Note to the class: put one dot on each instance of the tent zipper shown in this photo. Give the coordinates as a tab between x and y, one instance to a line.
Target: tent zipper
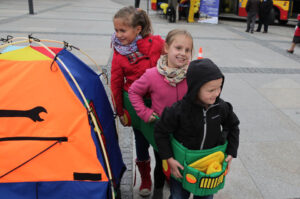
205	124
205	129
59	139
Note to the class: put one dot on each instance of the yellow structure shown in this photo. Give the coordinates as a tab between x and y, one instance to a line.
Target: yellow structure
164	7
194	8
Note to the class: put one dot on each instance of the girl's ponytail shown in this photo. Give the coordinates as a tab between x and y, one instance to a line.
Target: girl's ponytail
140	18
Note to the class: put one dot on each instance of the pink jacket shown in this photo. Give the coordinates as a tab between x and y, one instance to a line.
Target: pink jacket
162	94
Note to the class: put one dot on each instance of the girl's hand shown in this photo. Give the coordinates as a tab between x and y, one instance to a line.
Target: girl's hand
122	120
228	159
152	117
175	166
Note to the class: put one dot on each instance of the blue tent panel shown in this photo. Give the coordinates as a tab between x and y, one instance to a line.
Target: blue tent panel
11	48
94	91
54	190
20	190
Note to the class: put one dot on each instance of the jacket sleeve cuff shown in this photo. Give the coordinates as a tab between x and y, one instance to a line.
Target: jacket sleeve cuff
231	152
147	115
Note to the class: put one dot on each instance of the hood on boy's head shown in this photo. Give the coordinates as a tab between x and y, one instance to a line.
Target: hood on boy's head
200	72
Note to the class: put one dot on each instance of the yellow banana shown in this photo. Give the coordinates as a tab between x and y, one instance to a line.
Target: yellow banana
203	163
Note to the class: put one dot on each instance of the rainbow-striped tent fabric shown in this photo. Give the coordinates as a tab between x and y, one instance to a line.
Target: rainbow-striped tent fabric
57	131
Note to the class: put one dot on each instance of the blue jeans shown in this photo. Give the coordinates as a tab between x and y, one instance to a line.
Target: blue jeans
177	191
141	145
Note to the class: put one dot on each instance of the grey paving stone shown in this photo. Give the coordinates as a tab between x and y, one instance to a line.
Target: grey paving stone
262	82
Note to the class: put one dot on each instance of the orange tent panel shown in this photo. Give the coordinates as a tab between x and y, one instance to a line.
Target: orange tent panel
65	116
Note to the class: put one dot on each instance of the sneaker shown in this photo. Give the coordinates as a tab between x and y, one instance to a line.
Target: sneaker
290	51
247	31
252	32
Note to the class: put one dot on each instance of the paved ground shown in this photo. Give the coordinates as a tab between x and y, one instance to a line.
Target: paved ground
262	82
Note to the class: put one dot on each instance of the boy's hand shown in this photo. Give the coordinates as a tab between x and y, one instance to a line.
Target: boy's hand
175	166
152	117
228	159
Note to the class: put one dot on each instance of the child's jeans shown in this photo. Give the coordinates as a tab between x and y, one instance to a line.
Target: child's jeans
141	145
177	191
159	176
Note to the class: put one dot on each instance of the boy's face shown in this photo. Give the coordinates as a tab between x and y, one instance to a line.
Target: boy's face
209	92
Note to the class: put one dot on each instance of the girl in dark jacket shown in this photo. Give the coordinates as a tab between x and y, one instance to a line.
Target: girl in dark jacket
201	120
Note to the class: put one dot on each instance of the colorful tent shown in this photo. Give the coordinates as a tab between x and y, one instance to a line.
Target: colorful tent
57	131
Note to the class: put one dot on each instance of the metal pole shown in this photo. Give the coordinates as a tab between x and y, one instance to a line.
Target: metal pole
147	6
30	4
290	8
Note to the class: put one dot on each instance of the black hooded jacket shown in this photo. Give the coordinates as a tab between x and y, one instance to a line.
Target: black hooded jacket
194	126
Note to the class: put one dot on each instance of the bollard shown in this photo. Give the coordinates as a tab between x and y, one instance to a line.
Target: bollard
30	4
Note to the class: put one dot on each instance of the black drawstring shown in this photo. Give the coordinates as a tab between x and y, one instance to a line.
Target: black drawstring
105	76
54	60
69	47
30	38
7	40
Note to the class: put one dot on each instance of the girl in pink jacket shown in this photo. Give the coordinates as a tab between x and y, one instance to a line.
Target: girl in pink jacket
165	83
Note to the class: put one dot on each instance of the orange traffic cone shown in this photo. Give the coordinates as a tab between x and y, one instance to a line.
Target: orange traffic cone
200	56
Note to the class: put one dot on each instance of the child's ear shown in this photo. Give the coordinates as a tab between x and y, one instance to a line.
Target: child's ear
166	48
139	29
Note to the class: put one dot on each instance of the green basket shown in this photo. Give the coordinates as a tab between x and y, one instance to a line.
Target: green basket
203	184
193	180
146	128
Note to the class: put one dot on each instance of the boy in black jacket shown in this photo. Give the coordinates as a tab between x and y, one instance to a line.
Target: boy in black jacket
201	120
